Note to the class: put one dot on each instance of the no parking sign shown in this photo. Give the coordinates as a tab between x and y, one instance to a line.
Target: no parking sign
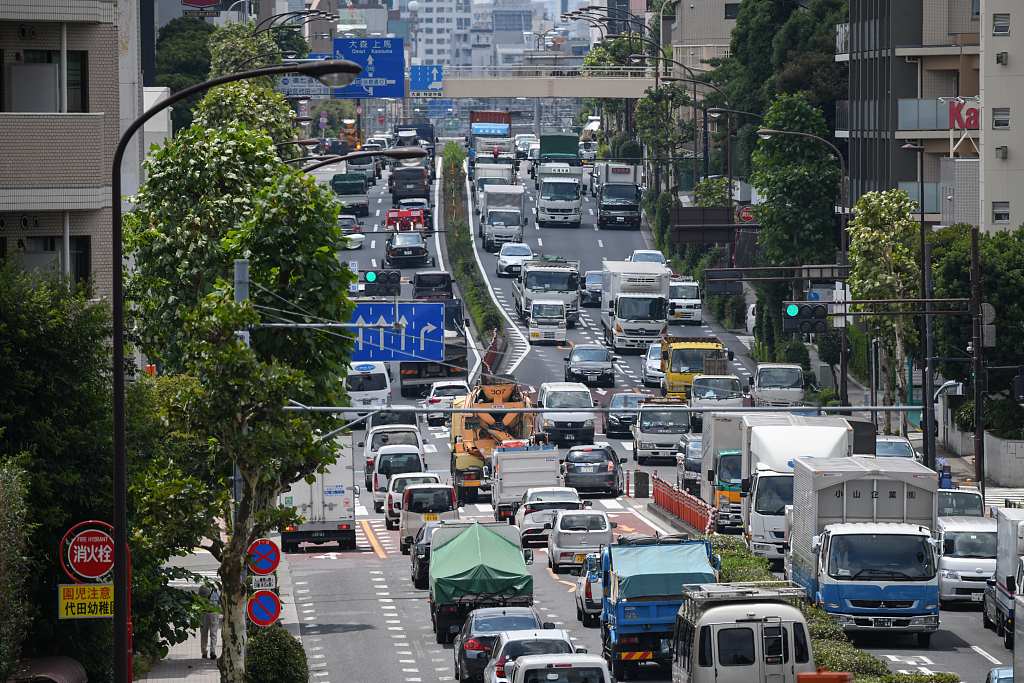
264	608
264	556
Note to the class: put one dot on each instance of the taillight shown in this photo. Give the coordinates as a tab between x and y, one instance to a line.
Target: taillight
582	506
611	466
405	500
499	668
589	593
375	487
455	501
474	644
433	400
390	501
527	509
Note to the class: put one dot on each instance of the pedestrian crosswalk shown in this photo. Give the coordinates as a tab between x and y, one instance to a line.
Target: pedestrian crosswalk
998	496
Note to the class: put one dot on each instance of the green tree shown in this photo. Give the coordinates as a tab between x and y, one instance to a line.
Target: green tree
883	267
14	530
830	349
234	43
291	39
182	60
254	105
712	192
630	152
337	111
751	85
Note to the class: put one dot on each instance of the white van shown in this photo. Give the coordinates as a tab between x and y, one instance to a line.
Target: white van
392	460
576	534
387	435
547	321
968	557
423	503
368	386
561	668
396	489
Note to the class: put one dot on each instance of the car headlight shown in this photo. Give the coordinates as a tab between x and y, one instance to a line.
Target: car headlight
689	475
646	444
929	620
549	423
588	423
723	501
949	574
607	371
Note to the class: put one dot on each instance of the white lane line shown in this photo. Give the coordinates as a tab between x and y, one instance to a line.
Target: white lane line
380	200
591	211
484	507
540	242
373	244
375	227
986	655
373	262
378	212
600	243
612	504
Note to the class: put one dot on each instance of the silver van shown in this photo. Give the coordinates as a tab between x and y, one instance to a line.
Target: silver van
576	534
968	557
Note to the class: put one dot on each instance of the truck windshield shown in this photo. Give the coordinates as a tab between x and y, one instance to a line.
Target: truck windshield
569	399
548	311
729	469
483	182
683	292
691	360
641	308
659	419
547	281
593	278
716	387
559	191
881	557
780	378
504	218
893	449
773	495
979	544
960	503
623	194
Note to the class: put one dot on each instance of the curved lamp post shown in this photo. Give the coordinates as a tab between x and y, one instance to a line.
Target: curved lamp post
395	154
286	53
332	73
766	133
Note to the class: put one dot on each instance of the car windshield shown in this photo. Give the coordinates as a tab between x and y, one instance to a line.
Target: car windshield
551	281
683	292
568	399
658	419
432	281
648	257
548	311
516	250
978	544
490	180
563	495
504	218
881	557
398	484
641	308
394	438
962	503
407	239
347	222
691	360
693	449
398	463
360	161
505	622
587	455
654	352
522	648
571	674
780	378
716	387
451	390
626	194
593	278
431	500
893	449
773	495
627	400
372	381
583	522
590	355
559	191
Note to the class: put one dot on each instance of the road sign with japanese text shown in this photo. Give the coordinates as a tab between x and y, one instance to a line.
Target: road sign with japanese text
383	62
85	601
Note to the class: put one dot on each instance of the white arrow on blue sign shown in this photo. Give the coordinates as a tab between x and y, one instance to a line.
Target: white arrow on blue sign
424	78
422	339
383	62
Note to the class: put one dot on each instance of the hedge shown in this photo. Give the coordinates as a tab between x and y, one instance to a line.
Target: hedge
274	656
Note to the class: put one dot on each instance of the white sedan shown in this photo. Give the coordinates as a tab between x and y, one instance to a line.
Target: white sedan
509	261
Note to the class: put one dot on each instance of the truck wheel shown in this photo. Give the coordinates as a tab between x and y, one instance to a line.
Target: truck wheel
404	548
420	583
619	669
632	670
580	616
924	639
471	495
570	324
1000	629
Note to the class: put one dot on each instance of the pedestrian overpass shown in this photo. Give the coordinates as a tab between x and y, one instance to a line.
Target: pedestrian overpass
546	81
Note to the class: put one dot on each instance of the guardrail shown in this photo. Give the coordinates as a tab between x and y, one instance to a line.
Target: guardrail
690	509
541	71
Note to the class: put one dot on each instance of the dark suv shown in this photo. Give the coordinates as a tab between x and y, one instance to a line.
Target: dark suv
408	182
593	468
406	249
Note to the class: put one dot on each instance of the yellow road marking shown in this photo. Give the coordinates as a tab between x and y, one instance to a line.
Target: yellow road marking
373	540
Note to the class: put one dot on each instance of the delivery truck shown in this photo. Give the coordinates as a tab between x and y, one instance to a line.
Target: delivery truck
619	194
517	467
327	506
1009	568
634	303
502	215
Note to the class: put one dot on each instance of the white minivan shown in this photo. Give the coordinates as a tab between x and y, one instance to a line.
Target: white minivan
423	503
576	534
392	460
368	386
968	557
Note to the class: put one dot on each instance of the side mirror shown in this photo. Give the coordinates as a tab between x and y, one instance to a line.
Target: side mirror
588	503
731	355
561	462
711	475
750	381
528	555
549	625
622	461
1011	584
566	359
574	571
424	442
745	485
547	525
356	491
947	546
816	544
408	540
990	582
615	525
453	629
581	650
361	444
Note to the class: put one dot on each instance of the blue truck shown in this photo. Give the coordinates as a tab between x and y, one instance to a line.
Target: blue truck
643	578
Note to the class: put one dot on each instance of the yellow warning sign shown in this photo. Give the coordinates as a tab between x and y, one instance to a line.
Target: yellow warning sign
86	601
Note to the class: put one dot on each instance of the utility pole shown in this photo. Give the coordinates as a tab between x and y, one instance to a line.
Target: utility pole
704	123
929	384
979	396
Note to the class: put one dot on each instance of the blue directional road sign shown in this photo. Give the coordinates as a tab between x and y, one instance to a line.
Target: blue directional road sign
423	338
383	62
426	78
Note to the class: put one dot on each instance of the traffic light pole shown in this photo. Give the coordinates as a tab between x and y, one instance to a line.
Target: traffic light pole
979	396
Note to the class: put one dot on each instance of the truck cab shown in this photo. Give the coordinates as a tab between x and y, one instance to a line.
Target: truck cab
634	303
1009	568
548	277
560	195
777	384
503	215
684	305
682	358
656	431
711	392
547	321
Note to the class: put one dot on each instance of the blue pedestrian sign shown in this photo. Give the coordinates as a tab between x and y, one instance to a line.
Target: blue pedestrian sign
426	78
383	62
422	339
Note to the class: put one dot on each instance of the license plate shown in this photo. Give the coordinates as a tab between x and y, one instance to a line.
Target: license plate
430	517
407	251
316	534
586	470
882	623
580	557
471	483
977	597
619	219
411	186
570	437
367	401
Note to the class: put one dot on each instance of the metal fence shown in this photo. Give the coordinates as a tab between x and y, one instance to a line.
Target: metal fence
690	509
541	71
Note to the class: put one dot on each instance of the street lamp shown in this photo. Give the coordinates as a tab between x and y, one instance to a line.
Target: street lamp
395	154
764	134
286	53
332	73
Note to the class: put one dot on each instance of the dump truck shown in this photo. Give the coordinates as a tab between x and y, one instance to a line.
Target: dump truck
548	277
643	579
683	357
473	566
474	435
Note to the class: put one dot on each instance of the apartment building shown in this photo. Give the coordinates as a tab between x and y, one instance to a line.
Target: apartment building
701	31
70	82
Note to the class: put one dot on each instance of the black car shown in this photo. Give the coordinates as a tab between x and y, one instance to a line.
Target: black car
406	249
594	468
590	288
688	463
621	414
590	364
474	640
432	284
420	555
424	206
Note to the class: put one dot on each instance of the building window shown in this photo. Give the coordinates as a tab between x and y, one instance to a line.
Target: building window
1000	212
78	100
732	10
428	30
440	52
429	52
1000	24
976	8
1001	117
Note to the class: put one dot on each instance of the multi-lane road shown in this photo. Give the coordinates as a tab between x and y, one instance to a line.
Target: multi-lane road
362	619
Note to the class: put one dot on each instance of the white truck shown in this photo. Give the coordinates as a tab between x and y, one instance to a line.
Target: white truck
518	468
547	321
656	431
1009	568
560	194
708	393
327	505
684	305
503	215
548	277
861	543
618	191
634	303
489	175
777	384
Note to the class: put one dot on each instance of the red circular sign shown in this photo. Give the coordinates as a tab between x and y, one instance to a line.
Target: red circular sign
264	556
91	553
264	608
359	110
747	214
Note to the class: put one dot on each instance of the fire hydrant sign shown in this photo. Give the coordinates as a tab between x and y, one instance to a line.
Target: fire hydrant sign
91	553
86	601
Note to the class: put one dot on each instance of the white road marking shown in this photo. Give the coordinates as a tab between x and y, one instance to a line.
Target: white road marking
601	391
378	212
430	448
484	507
600	243
540	242
373	244
591	211
986	655
380	200
612	504
373	262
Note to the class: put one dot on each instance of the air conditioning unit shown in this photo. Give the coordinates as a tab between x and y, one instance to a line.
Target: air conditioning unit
1002	58
1001	152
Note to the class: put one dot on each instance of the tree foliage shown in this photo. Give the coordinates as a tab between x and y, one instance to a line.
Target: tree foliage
234	43
337	111
712	192
14	530
656	123
182	60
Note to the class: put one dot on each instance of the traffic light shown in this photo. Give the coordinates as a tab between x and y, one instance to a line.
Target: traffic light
382	282
805	317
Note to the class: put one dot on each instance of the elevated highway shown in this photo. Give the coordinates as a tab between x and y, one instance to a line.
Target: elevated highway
546	81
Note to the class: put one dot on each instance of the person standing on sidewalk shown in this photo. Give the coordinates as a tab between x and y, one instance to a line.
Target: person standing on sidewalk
211	621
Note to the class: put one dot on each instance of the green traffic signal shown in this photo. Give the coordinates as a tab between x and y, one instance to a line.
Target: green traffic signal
371	276
792	310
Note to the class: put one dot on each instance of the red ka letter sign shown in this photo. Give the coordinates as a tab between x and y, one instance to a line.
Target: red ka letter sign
963	119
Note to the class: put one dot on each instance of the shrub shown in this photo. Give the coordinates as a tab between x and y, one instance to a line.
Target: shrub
1005	418
839	655
795	351
274	656
14	615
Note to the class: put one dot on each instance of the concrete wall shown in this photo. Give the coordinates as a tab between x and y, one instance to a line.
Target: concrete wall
1004	461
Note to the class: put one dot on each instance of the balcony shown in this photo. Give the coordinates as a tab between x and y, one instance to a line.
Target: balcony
842	118
931	195
933	118
842	42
